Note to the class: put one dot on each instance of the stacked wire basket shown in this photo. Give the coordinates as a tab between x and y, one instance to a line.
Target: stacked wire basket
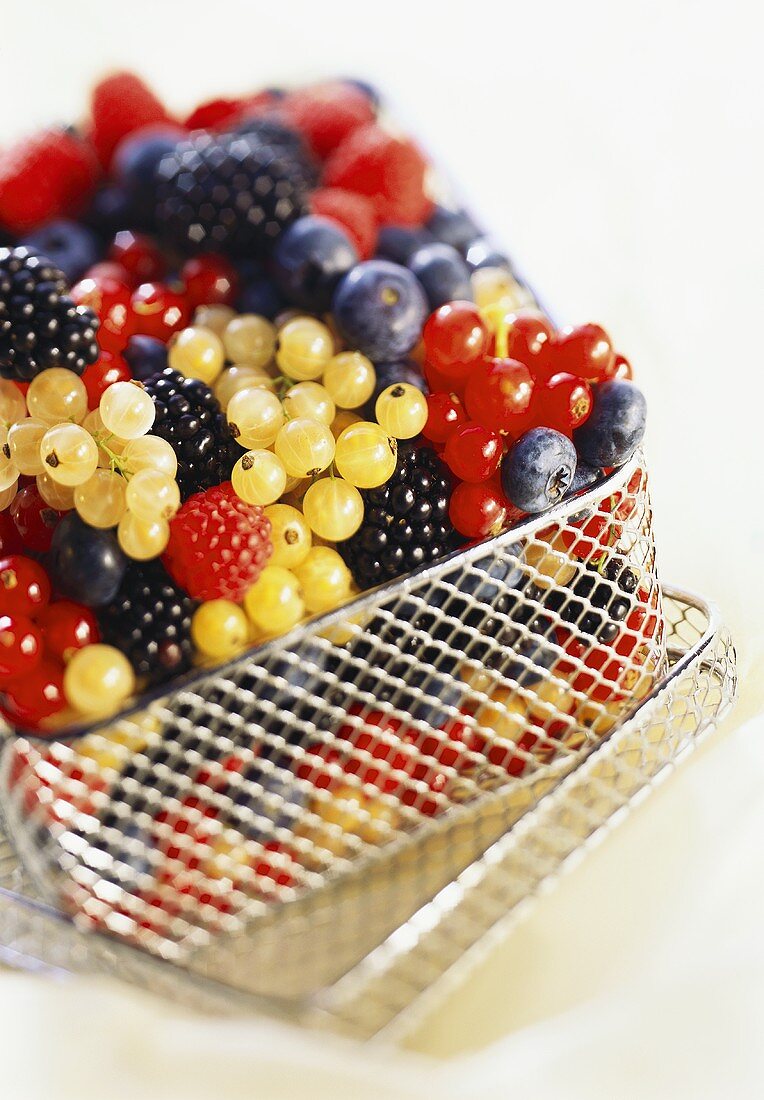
328	825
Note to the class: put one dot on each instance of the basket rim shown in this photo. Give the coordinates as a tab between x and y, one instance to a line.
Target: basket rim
318	624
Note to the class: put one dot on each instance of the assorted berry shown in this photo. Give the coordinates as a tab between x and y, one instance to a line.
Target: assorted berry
249	368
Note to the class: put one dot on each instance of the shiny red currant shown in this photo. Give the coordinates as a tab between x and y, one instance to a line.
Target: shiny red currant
529	336
455	338
67	627
34	519
565	402
473	453
37	695
209	280
585	351
110	301
159	311
478	509
109	368
498	395
20	646
138	255
10	539
24	586
445	412
621	368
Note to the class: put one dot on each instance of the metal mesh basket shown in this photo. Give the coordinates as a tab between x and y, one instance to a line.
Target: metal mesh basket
268	825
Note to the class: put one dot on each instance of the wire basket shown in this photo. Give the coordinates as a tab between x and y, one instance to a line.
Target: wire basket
218	827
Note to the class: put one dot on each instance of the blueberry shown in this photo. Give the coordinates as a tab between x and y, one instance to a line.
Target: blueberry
481	253
138	157
71	246
616	425
443	274
454	227
110	211
584	477
380	309
85	564
363	86
538	470
145	356
310	258
260	296
398	243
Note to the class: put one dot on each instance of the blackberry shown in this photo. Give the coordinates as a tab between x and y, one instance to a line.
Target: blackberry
608	608
275	133
40	326
230	194
189	417
150	621
406	522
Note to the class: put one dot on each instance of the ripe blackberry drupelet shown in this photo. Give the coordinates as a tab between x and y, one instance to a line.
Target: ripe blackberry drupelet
406	522
189	417
230	194
270	130
40	326
150	621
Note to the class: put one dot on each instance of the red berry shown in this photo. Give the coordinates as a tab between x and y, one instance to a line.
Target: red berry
66	627
438	382
621	368
498	395
445	412
325	114
106	370
455	339
34	519
209	280
159	311
20	645
529	338
138	255
388	170
473	453
110	301
352	213
585	351
36	695
565	402
121	104
107	269
218	545
24	586
49	175
213	113
10	539
478	509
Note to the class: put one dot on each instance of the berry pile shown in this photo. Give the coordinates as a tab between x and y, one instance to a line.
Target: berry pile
249	368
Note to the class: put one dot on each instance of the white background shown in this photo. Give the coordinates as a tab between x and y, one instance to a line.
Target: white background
617	150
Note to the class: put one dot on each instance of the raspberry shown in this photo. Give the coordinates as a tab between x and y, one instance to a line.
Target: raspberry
48	175
122	103
390	171
353	213
218	545
326	113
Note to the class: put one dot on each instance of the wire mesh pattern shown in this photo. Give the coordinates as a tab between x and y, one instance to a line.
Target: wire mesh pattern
204	828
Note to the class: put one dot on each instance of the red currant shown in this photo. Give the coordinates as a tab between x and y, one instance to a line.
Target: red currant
20	645
35	520
66	627
529	337
473	453
605	675
209	280
37	695
565	403
110	301
478	510
439	383
10	539
24	586
498	395
138	255
585	351
159	311
445	412
621	368
107	269
455	338
107	370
